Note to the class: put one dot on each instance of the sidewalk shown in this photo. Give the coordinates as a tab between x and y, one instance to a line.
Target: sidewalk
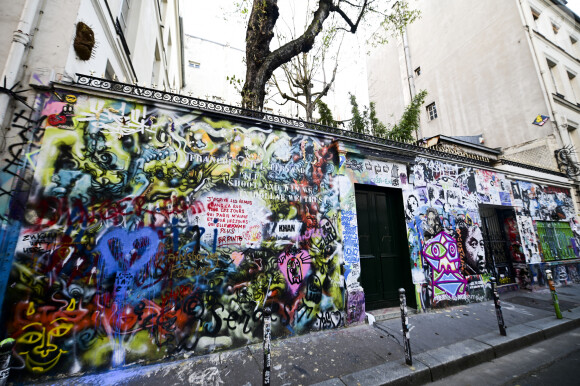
442	342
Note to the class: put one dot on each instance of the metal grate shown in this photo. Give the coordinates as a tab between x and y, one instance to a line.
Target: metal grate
496	245
555	240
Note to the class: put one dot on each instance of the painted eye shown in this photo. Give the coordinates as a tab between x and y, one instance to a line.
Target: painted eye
30	337
452	249
436	250
61	330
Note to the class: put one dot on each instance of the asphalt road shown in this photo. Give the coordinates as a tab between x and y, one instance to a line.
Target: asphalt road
564	372
555	361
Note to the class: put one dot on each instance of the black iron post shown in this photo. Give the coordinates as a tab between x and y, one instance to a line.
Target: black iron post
498	312
267	338
405	324
554	293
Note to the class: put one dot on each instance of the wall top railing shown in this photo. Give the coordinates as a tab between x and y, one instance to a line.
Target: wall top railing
134	90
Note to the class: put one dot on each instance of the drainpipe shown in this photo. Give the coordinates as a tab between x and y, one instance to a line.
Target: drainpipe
410	77
16	55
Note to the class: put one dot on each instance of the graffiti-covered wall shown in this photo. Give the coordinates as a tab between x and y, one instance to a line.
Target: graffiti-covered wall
442	214
150	232
145	232
549	236
443	209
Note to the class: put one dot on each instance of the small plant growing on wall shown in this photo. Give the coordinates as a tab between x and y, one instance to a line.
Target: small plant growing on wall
84	42
403	131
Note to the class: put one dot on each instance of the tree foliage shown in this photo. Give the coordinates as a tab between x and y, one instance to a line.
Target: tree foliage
261	61
358	123
326	117
409	123
377	128
406	130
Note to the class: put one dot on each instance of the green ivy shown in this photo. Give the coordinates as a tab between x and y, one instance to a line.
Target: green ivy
358	123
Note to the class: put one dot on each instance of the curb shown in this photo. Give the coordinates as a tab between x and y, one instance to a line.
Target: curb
444	361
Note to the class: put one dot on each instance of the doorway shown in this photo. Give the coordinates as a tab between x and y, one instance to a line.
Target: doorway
384	250
502	242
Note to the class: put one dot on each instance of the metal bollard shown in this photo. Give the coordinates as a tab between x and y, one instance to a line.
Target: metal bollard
267	337
405	323
497	304
5	355
554	293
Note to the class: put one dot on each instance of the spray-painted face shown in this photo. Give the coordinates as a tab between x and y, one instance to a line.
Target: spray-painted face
294	270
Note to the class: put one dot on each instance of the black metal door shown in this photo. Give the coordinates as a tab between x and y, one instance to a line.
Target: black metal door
383	246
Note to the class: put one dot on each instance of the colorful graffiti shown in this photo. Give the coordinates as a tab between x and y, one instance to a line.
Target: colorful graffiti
441	253
150	232
442	208
147	232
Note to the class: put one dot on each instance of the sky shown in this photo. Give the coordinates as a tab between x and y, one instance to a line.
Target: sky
218	20
574	5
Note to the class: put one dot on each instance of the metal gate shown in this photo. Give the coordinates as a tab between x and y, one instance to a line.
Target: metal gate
497	252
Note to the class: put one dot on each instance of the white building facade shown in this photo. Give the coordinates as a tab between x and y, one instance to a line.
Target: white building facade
490	68
138	42
134	41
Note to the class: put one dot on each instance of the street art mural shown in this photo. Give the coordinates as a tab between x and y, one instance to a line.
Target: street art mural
150	232
549	205
445	200
442	255
444	230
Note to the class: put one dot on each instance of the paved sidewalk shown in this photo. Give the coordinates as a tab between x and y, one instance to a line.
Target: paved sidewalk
442	342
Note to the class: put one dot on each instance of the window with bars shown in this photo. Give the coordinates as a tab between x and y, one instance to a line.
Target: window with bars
432	111
555	240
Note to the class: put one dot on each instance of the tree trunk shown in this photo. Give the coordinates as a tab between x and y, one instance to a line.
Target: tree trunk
260	62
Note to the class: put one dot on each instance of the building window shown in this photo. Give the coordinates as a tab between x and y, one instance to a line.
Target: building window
535	16
124	12
432	111
156	66
418	71
574	85
193	64
573	41
555	77
109	72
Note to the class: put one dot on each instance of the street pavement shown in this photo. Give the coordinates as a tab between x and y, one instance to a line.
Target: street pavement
443	342
554	361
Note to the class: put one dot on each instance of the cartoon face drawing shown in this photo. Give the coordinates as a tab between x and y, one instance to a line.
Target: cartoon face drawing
40	344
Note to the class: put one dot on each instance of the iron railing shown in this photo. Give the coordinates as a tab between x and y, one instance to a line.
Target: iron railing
134	90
